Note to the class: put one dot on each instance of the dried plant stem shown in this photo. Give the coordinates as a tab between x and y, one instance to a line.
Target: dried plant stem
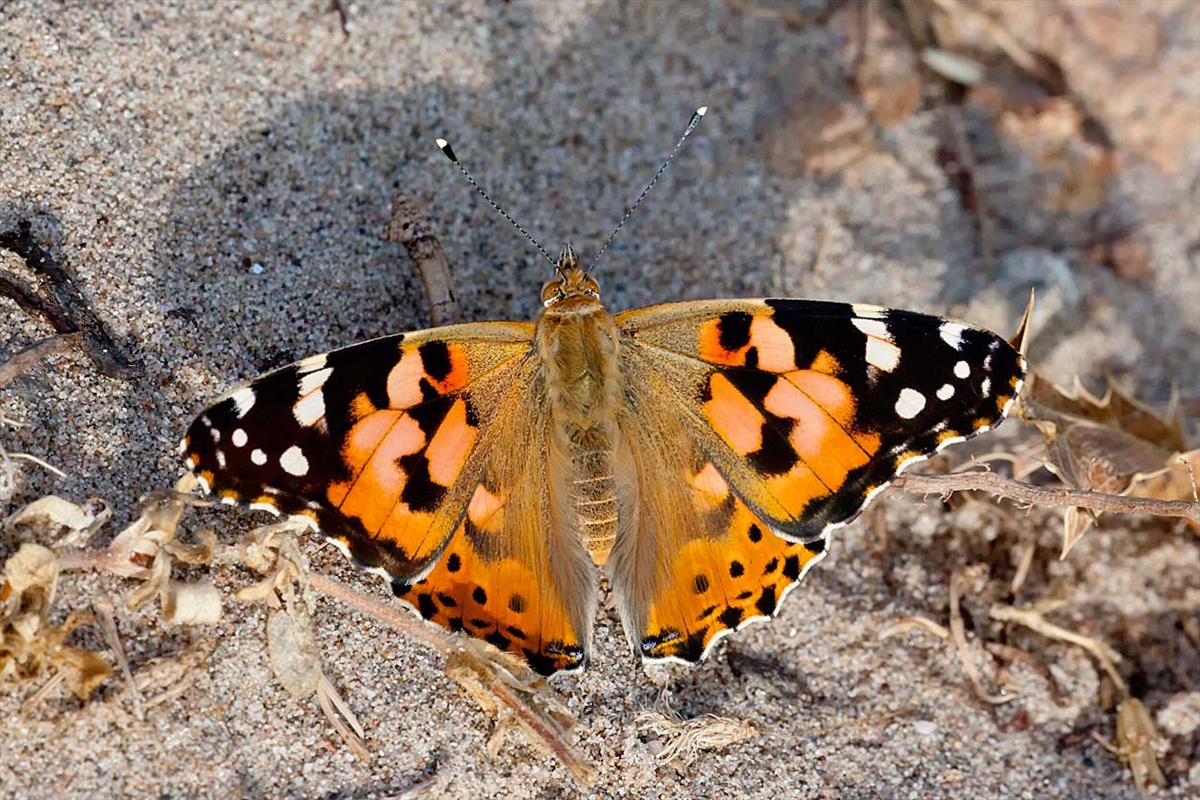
958	635
1052	496
1038	624
391	615
409	226
26	359
108	624
550	735
927	625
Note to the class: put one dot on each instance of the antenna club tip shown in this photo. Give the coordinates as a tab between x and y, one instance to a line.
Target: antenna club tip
701	111
448	151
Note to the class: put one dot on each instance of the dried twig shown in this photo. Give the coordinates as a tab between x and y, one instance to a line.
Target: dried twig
24	360
108	624
342	717
1034	620
959	636
492	678
409	226
389	614
1046	495
927	625
66	309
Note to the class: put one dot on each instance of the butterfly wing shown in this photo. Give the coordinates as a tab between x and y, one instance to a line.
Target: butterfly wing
424	457
515	573
780	418
808	407
378	445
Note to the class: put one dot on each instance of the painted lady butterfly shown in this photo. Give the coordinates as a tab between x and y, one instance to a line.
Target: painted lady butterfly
701	451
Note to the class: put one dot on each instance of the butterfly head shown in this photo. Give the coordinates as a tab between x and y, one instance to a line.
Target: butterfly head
571	283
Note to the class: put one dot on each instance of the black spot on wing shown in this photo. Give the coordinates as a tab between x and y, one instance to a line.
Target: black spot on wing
731	616
421	493
360	369
766	601
733	330
791	568
429	415
435	358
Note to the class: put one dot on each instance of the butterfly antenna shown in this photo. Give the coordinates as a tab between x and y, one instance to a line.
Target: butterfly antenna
445	147
697	115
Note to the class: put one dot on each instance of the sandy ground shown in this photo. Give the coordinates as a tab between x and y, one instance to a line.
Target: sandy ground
219	180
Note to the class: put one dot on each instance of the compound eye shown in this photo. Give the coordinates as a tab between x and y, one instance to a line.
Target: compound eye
591	286
551	291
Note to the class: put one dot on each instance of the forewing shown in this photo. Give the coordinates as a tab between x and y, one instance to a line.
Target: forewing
808	408
378	445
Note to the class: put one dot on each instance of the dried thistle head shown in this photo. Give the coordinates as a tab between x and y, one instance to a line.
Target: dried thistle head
29	644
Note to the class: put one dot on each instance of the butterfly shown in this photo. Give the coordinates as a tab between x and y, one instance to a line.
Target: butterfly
702	452
699	452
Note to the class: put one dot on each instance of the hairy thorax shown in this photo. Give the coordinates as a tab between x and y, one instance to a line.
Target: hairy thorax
578	346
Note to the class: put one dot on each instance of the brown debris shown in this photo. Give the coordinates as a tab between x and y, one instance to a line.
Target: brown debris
409	226
66	308
683	740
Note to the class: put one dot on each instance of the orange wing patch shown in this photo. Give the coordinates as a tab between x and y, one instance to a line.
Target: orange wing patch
482	588
796	429
719	584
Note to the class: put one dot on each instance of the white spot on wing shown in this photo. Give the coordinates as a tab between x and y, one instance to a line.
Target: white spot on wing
868	311
216	434
311	408
312	363
314	380
239	438
952	334
293	461
258	456
881	354
985	388
220	459
873	327
243	399
962	370
946	392
910	404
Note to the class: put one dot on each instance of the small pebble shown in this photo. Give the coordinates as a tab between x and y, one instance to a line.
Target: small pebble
925	727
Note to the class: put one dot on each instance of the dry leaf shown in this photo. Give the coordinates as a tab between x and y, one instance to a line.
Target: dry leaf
295	657
1112	444
1139	744
53	519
